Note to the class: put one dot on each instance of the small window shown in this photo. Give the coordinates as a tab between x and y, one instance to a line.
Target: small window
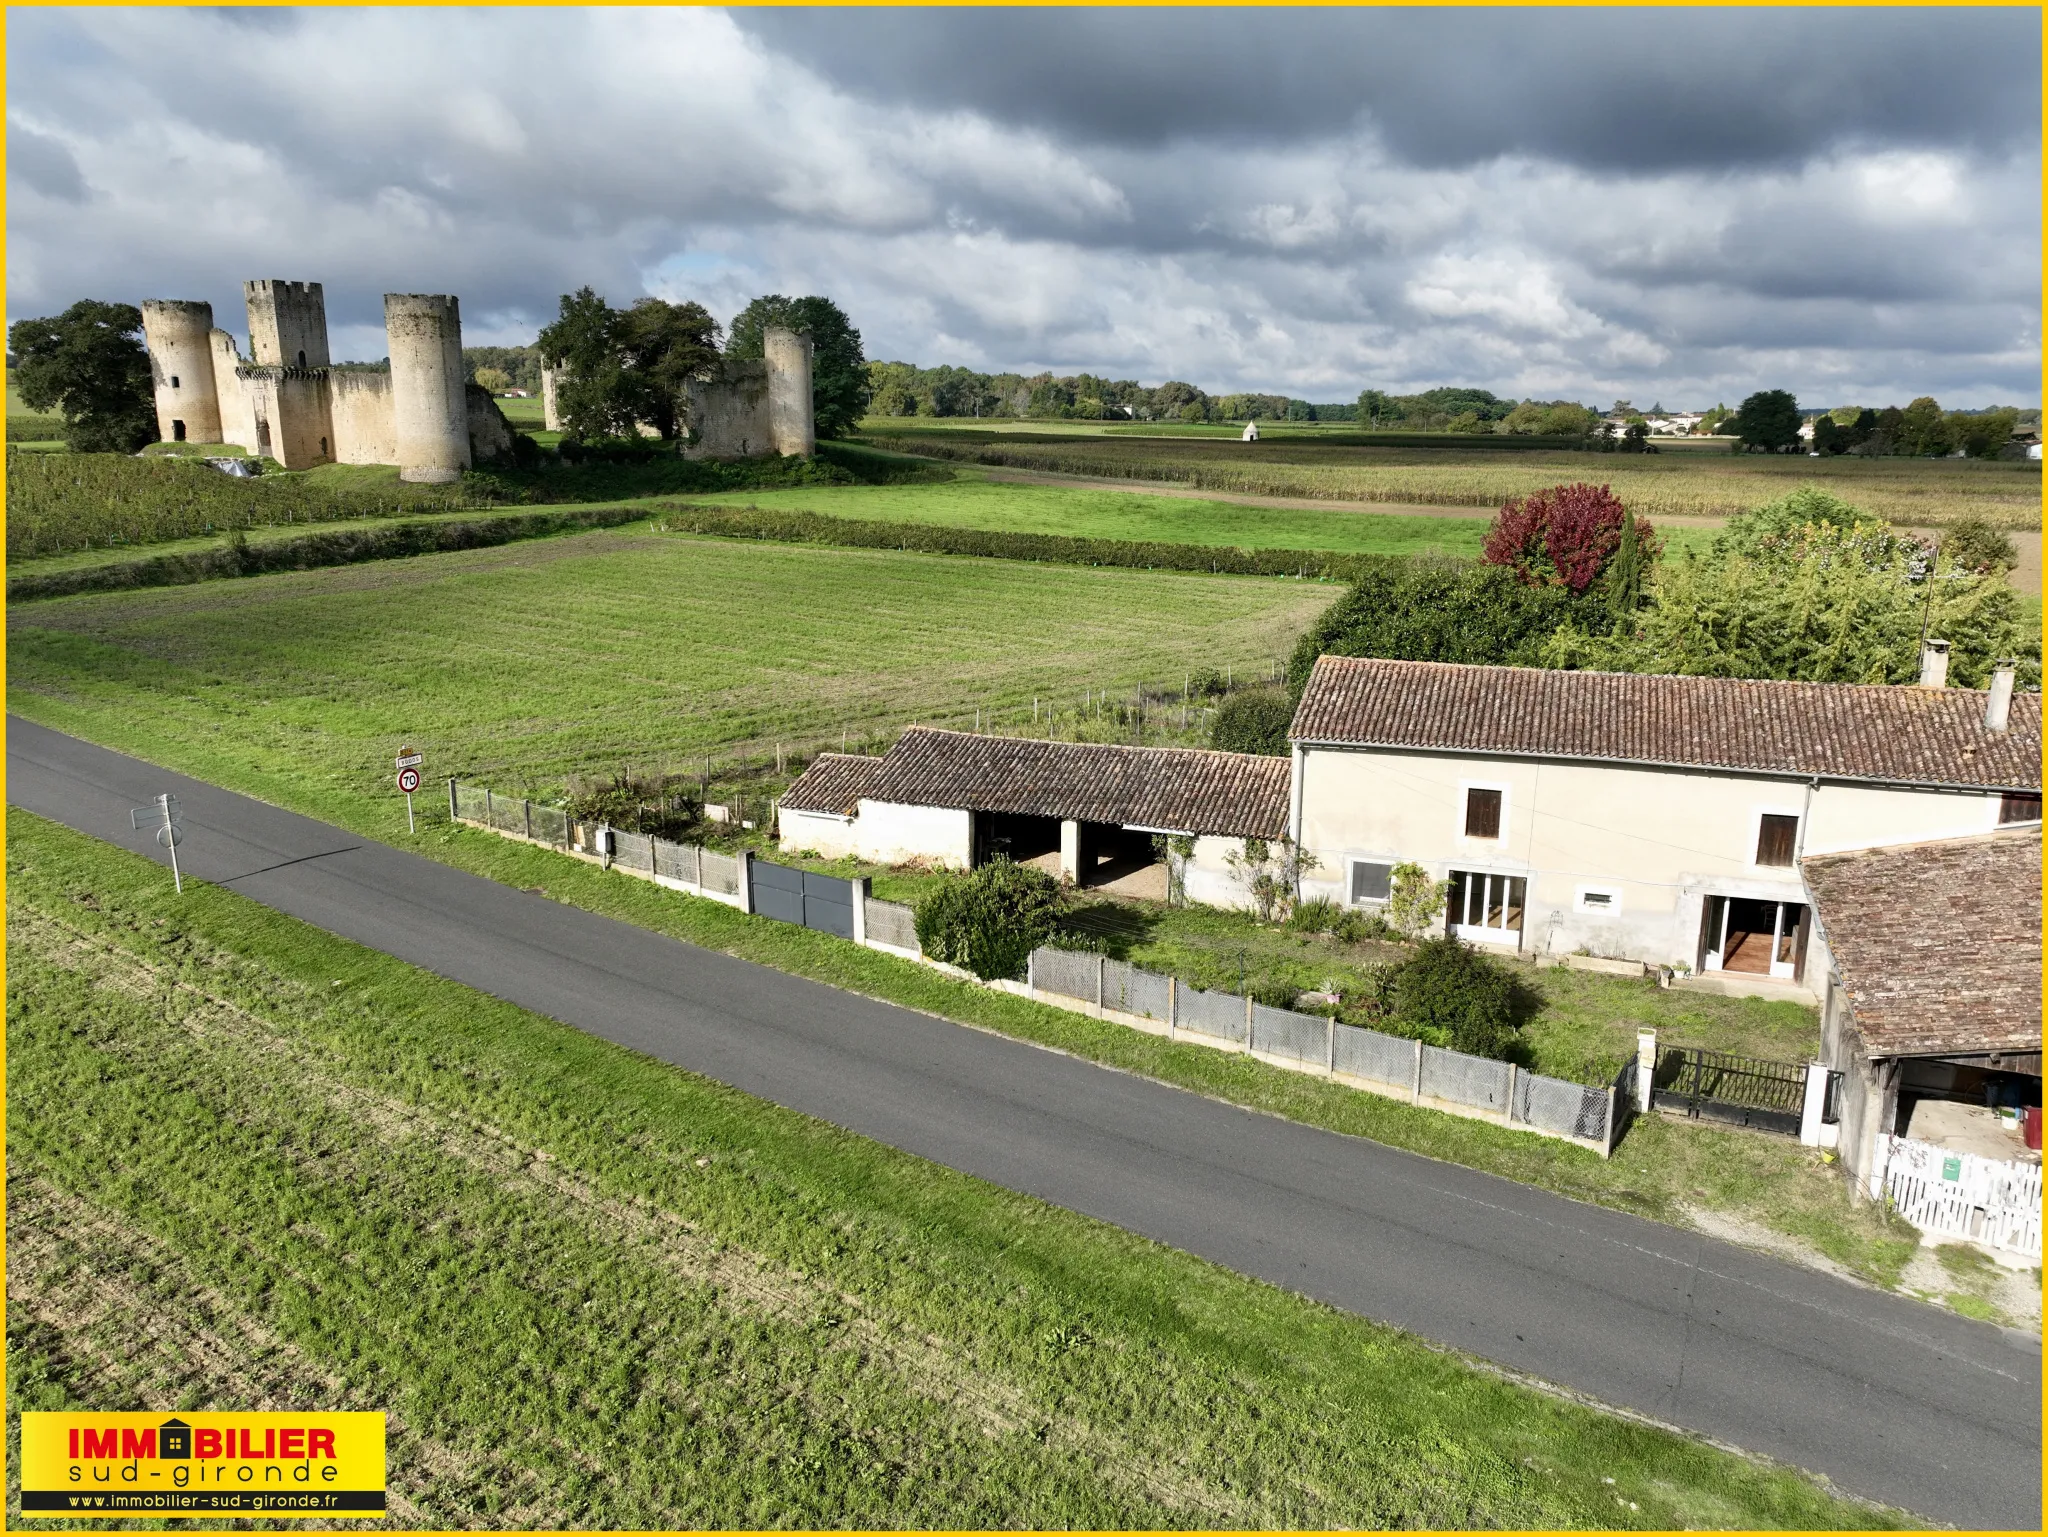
1603	900
1776	837
174	381
1482	813
302	357
323	448
1370	882
2018	807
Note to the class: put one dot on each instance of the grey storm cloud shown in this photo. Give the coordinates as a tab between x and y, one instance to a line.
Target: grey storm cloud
1613	89
1582	202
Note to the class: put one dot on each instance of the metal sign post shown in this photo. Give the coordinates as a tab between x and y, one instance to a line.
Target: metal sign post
409	778
168	834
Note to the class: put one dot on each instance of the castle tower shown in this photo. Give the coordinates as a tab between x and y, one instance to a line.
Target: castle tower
177	333
792	424
429	409
287	323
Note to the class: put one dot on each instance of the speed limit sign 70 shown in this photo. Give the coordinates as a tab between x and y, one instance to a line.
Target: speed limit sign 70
408	780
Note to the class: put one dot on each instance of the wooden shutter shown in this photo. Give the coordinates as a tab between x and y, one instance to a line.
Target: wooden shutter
1776	837
1482	813
2019	808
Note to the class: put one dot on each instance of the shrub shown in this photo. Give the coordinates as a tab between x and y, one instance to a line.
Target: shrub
1317	916
1451	995
1975	545
1354	926
1562	536
1415	901
991	920
1253	720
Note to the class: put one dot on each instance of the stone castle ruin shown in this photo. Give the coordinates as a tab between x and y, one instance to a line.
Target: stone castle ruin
288	401
742	408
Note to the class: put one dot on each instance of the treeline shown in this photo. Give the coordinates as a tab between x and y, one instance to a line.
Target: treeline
1922	430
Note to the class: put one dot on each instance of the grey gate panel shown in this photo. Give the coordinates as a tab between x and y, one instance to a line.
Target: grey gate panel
778	891
828	904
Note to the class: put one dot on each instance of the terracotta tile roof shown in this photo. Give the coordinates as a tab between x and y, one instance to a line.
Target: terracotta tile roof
1938	944
834	782
1181	788
1895	734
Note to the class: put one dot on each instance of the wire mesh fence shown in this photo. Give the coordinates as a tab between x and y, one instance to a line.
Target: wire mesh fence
1284	1033
1389	1064
1377	1057
1458	1079
1214	1014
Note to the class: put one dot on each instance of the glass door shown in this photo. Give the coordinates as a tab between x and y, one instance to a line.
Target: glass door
1486	908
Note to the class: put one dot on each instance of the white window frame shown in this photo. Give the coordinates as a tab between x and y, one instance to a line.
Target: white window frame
1756	835
1608	910
1500	839
1351	864
1477	933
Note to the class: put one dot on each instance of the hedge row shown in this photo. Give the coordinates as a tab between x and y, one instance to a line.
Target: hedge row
1052	549
339	547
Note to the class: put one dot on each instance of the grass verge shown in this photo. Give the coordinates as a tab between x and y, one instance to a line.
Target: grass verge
590	1289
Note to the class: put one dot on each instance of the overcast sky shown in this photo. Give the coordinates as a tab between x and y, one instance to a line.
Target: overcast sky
1668	205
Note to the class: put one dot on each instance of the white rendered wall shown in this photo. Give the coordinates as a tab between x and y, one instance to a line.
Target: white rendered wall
237	419
1210	880
891	834
819	832
1660	840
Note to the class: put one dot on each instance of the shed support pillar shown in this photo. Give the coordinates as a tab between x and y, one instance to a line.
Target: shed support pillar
1070	851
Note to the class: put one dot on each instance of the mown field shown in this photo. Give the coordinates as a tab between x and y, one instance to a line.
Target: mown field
1915	492
591	1290
1087	513
521	665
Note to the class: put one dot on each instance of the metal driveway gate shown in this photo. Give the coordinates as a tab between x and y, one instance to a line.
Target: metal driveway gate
1740	1091
822	902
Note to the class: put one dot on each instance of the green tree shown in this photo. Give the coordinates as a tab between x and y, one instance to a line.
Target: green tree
1769	421
1975	545
1253	720
839	375
1414	901
663	346
1923	430
1376	408
592	393
1981	434
90	364
496	380
1808	587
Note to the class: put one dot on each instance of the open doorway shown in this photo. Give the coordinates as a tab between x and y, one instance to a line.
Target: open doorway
1756	936
1018	837
177	431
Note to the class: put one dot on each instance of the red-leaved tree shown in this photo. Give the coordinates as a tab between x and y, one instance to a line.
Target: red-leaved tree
1562	536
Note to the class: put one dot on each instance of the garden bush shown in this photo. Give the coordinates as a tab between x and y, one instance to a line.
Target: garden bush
1253	720
991	920
1448	994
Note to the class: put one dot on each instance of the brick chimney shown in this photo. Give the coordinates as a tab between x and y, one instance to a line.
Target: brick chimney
1934	664
1998	703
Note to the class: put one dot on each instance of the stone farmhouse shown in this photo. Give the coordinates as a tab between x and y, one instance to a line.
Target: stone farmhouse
288	402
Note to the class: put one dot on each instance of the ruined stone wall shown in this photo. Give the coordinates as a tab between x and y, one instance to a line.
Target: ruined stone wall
430	414
490	435
287	323
550	413
792	418
237	419
178	333
360	404
290	406
728	412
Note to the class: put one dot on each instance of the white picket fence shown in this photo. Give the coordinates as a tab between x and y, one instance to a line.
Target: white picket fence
1947	1194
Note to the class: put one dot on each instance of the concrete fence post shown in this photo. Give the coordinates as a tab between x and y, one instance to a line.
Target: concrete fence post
451	798
1101	966
653	859
1514	1072
697	867
1814	1105
1330	1063
1415	1088
604	845
1646	1068
1248	1007
1172	1005
529	820
746	874
857	890
1607	1142
490	814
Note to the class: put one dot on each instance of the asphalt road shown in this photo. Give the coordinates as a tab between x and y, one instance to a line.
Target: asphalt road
1890	1399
